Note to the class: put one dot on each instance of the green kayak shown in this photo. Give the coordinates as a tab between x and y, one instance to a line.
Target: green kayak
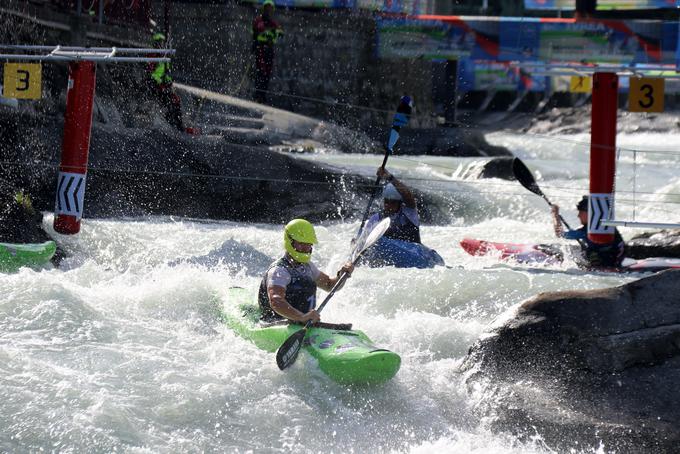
345	355
14	256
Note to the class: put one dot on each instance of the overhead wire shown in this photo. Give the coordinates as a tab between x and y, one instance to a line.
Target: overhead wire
429	117
511	186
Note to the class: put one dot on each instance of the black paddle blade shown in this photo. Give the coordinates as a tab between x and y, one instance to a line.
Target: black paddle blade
288	352
525	177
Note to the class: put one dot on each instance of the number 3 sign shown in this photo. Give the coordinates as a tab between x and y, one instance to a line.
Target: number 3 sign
22	81
646	94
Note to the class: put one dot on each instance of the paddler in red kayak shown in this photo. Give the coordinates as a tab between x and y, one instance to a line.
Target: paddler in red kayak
597	255
288	288
400	206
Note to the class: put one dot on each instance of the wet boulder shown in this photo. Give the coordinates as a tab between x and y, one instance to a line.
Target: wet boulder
460	142
664	243
586	368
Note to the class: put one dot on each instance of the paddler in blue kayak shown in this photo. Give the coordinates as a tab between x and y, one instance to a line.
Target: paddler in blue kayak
288	288
400	206
596	255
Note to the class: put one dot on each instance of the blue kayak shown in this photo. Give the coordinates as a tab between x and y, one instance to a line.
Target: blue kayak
400	254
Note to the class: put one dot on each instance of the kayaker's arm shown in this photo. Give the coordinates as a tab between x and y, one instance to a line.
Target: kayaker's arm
557	224
326	282
405	192
278	303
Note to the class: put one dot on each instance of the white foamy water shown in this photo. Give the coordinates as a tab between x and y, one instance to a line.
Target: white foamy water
122	349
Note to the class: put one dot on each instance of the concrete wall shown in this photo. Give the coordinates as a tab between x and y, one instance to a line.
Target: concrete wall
326	55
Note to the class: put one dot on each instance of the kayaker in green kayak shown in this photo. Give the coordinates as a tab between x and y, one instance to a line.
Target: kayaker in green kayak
400	206
20	222
596	255
288	288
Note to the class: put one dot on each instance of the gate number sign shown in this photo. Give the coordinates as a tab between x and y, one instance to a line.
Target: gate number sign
580	84
646	94
22	80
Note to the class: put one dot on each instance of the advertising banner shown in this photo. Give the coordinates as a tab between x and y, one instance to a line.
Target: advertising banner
602	4
602	41
493	75
519	39
431	39
410	7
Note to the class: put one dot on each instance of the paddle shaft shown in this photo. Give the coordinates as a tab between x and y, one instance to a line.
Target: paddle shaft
341	280
376	188
401	118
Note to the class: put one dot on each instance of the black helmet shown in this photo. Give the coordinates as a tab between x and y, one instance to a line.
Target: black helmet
582	205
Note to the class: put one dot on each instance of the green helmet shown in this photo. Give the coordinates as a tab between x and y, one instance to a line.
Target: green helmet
269	2
158	37
302	232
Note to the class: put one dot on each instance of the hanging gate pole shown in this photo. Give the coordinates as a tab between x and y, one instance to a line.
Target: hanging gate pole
602	156
75	147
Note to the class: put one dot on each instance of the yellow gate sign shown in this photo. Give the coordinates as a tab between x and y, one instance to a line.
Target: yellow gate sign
580	84
646	94
22	81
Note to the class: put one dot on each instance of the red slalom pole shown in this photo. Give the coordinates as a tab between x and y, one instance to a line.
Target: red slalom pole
75	147
602	156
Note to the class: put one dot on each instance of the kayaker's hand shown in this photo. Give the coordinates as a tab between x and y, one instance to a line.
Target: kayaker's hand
346	268
312	315
557	224
384	174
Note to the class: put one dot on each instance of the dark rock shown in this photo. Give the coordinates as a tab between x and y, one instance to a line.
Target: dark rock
136	172
587	367
447	142
664	243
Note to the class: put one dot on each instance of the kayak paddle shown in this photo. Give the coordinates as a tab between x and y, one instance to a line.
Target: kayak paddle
288	352
526	179
401	118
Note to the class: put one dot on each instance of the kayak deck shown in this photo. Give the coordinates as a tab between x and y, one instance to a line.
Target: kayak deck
14	256
346	356
400	254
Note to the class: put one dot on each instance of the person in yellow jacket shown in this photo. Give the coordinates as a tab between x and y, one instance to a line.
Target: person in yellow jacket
160	80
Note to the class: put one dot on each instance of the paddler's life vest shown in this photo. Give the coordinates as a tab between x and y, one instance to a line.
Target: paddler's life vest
608	255
401	228
300	292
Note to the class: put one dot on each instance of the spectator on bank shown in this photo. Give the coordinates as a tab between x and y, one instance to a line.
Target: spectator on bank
266	31
160	81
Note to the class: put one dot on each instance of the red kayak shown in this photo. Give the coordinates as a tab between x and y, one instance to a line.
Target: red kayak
551	254
522	253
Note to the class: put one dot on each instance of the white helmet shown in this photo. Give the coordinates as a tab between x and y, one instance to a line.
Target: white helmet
391	193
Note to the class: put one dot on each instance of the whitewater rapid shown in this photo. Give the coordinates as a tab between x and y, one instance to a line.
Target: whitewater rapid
122	349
